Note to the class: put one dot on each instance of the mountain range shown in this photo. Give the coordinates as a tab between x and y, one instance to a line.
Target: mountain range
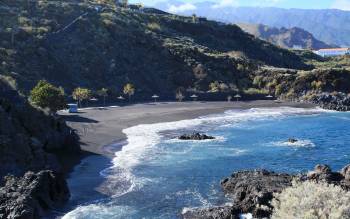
294	38
328	25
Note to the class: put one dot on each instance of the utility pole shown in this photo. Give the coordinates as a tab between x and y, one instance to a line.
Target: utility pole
13	32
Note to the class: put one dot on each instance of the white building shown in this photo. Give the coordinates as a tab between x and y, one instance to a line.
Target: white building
333	52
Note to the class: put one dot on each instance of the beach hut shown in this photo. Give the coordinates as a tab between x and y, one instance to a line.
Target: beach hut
194	97
72	108
237	96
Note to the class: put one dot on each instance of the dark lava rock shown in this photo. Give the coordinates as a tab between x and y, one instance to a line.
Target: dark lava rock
196	136
224	212
292	140
252	189
346	172
30	196
338	101
324	173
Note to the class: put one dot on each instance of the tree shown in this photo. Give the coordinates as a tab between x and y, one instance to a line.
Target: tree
81	94
180	94
45	95
129	90
103	93
214	87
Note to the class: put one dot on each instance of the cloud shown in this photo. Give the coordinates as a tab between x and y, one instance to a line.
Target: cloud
181	8
342	5
226	3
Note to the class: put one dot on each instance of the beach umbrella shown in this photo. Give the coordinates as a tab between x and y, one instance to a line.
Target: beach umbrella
155	97
194	97
237	96
121	98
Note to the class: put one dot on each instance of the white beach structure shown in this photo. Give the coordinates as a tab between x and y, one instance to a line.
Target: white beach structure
155	97
237	96
194	97
120	98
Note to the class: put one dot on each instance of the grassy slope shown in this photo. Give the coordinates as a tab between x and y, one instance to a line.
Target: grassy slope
107	48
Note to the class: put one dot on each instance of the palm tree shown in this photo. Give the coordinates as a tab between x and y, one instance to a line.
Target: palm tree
103	93
81	94
129	90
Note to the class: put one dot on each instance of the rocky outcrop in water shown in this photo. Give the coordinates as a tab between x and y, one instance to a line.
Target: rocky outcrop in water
338	101
196	136
252	191
30	196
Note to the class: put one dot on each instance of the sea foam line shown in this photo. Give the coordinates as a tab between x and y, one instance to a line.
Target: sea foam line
142	138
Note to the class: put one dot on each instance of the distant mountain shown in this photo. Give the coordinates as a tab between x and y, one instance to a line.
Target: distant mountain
288	38
330	25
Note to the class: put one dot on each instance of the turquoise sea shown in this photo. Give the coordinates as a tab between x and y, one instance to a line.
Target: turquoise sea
157	176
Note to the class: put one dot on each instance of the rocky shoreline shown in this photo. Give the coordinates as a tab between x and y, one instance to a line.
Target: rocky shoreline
337	101
32	195
252	191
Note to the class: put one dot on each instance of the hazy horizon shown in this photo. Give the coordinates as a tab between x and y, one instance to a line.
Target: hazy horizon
287	4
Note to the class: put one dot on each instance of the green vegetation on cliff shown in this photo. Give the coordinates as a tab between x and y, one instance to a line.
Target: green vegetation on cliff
81	43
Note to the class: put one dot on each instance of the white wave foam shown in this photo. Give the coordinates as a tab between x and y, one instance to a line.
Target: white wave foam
97	211
142	139
299	143
140	146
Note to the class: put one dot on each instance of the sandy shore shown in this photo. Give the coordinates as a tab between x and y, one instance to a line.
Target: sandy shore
101	127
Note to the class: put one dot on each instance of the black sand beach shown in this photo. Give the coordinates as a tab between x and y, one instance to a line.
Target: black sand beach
102	127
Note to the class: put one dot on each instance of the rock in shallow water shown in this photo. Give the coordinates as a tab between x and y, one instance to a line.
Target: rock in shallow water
196	136
30	196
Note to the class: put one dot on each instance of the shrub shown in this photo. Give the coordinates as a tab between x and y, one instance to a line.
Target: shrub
254	91
317	85
154	26
45	95
311	200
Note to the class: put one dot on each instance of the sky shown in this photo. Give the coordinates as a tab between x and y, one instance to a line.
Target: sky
305	4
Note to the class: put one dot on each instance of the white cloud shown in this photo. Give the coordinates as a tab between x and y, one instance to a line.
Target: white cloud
226	3
181	8
342	5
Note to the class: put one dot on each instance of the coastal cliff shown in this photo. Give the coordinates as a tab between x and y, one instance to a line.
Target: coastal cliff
30	141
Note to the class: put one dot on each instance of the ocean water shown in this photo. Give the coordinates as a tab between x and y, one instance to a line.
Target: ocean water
157	176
